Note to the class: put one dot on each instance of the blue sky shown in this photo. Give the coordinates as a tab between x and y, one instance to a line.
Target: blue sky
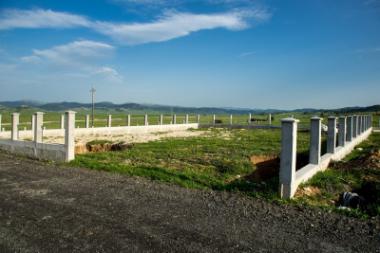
225	53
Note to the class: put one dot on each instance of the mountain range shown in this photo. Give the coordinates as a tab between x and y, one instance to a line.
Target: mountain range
62	106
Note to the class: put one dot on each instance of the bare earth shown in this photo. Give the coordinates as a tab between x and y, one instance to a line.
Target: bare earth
50	208
129	138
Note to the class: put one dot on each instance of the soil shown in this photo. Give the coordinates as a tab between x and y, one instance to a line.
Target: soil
128	138
45	207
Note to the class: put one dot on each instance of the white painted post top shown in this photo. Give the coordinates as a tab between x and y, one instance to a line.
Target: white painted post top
290	120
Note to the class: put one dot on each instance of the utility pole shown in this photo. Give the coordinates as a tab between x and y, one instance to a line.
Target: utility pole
93	105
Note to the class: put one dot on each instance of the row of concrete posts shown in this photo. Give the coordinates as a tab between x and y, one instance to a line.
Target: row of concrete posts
349	127
37	130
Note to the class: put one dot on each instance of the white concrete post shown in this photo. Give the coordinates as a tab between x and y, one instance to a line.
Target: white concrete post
249	118
331	135
15	122
231	118
128	120
38	122
146	120
187	119
33	123
354	126
288	157
270	119
350	127
342	131
360	124
364	123
213	119
368	123
174	119
315	140
0	122
198	118
62	121
109	120
87	121
70	135
161	119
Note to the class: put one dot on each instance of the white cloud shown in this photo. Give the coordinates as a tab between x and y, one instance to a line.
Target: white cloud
169	26
38	18
109	73
246	54
78	59
71	53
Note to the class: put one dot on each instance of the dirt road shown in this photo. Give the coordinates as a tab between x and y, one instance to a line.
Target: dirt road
50	208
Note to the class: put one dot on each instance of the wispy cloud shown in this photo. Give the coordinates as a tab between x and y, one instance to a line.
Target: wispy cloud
170	25
246	54
71	53
38	18
175	24
367	50
78	58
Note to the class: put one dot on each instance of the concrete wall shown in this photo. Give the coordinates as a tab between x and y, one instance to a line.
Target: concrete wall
289	178
56	152
37	149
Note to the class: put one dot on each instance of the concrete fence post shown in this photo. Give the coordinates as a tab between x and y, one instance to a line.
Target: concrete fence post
354	126
0	122
249	118
38	122
161	119
361	124
15	122
369	121
364	123
350	127
62	121
87	121
331	135
128	120
70	135
213	119
33	120
198	118
109	120
187	119
342	131
288	157
174	119
146	120
315	140
270	119
231	118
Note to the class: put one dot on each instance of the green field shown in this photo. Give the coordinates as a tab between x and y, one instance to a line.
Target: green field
220	160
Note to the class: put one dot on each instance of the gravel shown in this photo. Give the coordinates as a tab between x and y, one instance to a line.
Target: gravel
46	207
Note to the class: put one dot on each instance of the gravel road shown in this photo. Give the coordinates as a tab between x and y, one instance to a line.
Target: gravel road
51	208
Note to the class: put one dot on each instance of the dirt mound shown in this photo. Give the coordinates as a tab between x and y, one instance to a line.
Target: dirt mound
101	146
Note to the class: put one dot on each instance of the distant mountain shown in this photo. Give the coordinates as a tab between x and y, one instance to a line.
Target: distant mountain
62	106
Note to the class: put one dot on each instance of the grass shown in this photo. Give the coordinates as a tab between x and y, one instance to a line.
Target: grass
220	160
359	172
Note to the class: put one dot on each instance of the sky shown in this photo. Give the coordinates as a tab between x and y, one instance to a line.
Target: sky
216	53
